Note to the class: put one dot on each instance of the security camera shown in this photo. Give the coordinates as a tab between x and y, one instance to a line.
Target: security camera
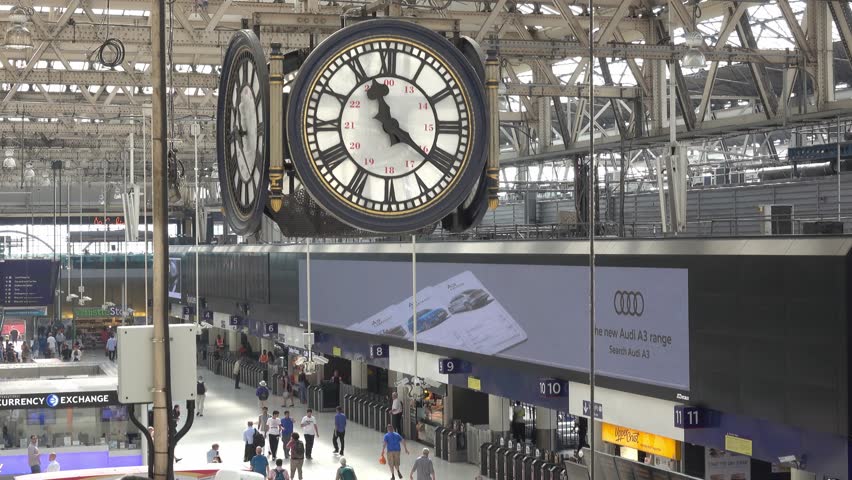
320	360
71	297
106	305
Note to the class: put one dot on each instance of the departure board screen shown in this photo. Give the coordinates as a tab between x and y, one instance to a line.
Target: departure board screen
27	283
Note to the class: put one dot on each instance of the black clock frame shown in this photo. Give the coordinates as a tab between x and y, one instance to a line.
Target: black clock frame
243	47
470	84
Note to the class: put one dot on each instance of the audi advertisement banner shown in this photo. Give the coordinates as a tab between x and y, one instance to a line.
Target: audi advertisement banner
529	313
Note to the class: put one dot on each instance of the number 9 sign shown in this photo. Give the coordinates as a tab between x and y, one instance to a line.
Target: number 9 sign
449	366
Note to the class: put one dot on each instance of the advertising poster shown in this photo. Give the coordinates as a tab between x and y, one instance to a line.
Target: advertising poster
174	278
530	313
722	465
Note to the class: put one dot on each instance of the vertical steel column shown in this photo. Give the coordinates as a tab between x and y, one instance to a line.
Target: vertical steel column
591	192
162	468
492	78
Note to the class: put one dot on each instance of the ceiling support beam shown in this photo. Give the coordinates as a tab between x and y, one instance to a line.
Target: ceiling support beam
759	73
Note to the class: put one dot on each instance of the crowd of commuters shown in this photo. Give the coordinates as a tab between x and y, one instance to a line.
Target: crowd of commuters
56	340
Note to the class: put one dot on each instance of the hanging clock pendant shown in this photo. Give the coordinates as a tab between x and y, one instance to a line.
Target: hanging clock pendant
242	133
386	126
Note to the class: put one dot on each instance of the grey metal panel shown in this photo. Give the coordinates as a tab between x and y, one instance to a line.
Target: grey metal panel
760	246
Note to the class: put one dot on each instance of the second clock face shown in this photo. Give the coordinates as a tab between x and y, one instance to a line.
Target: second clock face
388	126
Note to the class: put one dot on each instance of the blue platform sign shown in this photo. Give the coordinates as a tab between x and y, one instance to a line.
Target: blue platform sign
687	417
235	321
552	388
188	309
381	350
598	409
449	366
208	315
270	328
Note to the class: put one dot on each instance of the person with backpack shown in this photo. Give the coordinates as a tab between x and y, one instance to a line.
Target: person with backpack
248	438
287	428
297	455
279	473
345	472
200	395
262	393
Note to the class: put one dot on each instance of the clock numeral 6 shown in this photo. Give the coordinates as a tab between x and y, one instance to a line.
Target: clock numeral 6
349	125
354	145
423	105
354	103
369	161
428	127
409	89
390	170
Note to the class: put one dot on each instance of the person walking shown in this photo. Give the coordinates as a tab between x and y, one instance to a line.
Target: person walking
287	428
111	345
248	438
264	364
273	432
310	431
339	430
259	462
200	395
303	388
263	421
262	393
217	361
212	453
51	346
392	442
518	424
423	467
396	413
297	455
32	455
287	391
236	373
279	473
53	466
345	472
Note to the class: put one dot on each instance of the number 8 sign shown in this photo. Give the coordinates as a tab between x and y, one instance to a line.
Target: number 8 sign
379	351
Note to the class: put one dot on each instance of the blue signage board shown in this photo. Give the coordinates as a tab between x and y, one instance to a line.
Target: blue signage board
271	328
687	417
598	409
27	283
208	315
551	388
188	309
235	321
380	351
449	366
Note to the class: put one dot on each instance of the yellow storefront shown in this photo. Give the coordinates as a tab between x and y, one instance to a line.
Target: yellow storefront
633	441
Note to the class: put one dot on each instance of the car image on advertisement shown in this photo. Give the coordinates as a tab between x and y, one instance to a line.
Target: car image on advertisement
427	319
469	300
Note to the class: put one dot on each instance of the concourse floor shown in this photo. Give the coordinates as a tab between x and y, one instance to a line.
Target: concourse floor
227	410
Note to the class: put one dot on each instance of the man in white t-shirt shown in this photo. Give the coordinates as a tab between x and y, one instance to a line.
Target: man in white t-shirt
51	346
274	433
396	413
53	466
310	430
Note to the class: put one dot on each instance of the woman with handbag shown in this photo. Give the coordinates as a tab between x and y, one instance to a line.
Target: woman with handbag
287	391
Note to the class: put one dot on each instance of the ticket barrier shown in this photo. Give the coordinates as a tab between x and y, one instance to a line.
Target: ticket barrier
347	405
500	461
363	413
313	397
445	443
456	447
512	459
552	468
439	445
384	417
485	451
373	414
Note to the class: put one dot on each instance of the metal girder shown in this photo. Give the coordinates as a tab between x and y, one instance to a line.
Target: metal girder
56	128
759	74
572	22
730	20
107	77
842	13
77	110
795	29
616	109
549	90
496	9
819	35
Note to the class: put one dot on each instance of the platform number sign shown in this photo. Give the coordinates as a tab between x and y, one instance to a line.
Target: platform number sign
551	388
235	321
693	417
379	351
449	366
271	328
208	315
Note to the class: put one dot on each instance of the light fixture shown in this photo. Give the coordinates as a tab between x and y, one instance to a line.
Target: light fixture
18	36
29	173
693	58
9	162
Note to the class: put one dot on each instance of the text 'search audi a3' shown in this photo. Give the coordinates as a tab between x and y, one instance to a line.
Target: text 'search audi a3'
427	319
469	300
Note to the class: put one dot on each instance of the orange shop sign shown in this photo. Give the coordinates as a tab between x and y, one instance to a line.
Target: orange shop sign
646	442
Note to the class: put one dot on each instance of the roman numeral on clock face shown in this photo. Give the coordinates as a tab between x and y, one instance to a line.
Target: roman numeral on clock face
388	62
358	70
390	194
334	156
446	92
332	125
358	182
451	127
442	160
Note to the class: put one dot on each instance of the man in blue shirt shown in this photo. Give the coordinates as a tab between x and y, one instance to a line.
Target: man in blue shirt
286	430
259	463
392	443
339	430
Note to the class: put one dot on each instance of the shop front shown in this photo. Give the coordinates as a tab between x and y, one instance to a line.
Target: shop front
427	410
85	429
642	447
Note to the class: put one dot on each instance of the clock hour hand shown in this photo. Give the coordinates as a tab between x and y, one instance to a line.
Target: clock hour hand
390	125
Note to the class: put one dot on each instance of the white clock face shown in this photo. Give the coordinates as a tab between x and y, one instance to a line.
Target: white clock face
388	126
245	142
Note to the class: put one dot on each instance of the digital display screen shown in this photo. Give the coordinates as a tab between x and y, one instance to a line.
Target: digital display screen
530	313
27	283
41	417
174	278
114	414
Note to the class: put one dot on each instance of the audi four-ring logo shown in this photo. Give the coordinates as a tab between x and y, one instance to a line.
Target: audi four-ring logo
628	303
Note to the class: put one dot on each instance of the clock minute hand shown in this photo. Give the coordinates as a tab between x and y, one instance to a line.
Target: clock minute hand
390	125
